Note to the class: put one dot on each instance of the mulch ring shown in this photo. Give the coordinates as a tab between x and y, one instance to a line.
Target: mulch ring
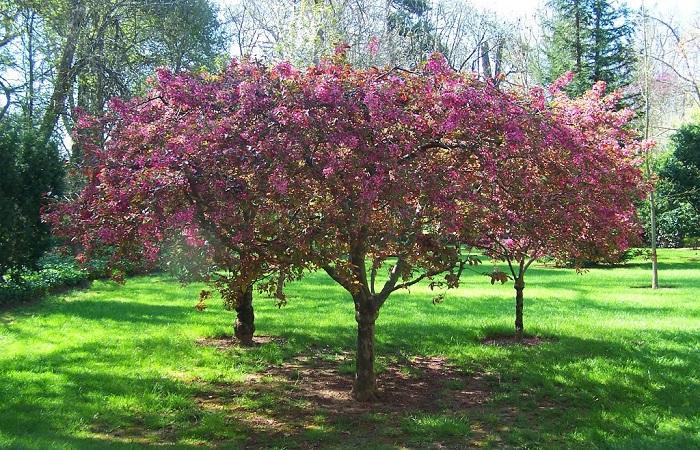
420	383
227	342
324	378
312	390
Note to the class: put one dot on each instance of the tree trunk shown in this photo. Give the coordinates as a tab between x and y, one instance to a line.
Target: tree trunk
245	318
519	287
486	61
654	258
365	387
647	130
65	72
279	289
577	43
31	62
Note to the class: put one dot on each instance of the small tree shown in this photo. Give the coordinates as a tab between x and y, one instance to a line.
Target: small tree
192	164
568	191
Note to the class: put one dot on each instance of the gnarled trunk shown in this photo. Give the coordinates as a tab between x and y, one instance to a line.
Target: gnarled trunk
365	387
245	318
519	287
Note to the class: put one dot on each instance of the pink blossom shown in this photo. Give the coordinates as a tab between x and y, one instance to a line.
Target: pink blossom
508	243
151	251
285	69
537	95
328	91
437	64
106	235
192	237
279	182
373	46
560	83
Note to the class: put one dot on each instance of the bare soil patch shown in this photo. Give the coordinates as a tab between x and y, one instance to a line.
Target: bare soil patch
226	342
421	383
312	392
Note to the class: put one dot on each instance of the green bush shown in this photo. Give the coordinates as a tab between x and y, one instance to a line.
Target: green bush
54	272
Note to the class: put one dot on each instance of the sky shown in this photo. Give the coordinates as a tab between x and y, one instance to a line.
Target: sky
513	9
679	9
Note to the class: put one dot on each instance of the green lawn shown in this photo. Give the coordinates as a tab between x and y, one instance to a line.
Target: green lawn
121	367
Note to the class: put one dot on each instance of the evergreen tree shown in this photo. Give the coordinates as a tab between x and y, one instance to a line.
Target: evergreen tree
31	172
409	22
593	39
683	168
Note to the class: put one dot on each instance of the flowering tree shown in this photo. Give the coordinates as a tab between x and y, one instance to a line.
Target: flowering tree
193	163
379	177
392	163
566	190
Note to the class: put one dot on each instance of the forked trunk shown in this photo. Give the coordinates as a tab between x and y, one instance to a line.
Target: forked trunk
365	386
245	318
519	287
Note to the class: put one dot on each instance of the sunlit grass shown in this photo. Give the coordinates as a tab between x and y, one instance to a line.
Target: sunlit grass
119	366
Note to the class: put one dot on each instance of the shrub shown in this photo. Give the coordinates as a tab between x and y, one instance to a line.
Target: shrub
55	272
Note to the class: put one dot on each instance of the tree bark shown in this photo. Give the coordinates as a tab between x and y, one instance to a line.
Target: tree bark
365	387
577	43
245	318
65	72
654	257
647	128
519	287
31	62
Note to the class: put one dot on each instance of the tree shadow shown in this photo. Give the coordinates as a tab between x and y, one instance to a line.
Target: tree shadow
611	391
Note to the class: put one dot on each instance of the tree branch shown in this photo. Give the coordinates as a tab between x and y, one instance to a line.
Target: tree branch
337	278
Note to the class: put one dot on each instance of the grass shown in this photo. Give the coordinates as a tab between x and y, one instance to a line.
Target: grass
120	367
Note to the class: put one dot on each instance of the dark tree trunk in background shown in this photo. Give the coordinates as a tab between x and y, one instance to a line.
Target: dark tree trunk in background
365	387
65	72
578	46
519	287
245	318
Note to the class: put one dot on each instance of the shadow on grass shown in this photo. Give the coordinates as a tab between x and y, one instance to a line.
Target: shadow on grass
610	394
662	266
637	389
596	384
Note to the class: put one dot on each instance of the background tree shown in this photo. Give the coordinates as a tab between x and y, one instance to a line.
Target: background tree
32	172
593	39
678	51
72	53
682	169
379	32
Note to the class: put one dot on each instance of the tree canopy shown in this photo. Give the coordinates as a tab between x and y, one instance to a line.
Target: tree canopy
378	176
